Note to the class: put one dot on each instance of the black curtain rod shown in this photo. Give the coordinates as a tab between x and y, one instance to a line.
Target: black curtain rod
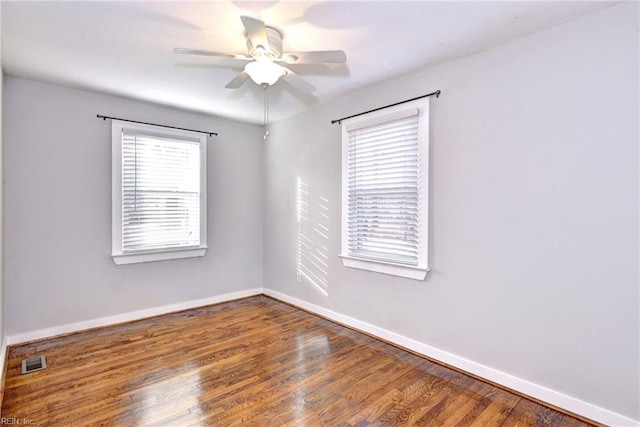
153	124
436	93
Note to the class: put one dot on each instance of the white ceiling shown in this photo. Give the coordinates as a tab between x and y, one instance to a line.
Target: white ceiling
125	48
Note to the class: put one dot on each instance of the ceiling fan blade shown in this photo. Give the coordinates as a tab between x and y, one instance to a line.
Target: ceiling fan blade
184	51
256	31
297	82
315	57
238	81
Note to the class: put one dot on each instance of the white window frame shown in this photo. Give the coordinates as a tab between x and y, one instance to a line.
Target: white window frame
417	272
120	257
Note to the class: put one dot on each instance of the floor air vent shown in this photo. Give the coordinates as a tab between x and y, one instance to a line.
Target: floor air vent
34	364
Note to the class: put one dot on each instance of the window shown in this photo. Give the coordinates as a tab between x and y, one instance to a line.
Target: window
385	159
159	205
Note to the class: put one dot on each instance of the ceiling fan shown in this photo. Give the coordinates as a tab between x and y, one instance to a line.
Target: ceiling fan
266	58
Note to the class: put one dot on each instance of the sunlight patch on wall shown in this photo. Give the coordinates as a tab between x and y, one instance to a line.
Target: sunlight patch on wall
313	237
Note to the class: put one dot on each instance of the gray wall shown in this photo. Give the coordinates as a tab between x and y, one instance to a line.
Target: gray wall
2	310
534	208
58	268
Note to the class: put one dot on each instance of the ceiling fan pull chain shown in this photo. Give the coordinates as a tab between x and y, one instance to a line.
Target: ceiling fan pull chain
266	111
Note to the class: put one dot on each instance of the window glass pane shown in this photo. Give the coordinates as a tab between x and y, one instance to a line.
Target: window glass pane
160	193
382	191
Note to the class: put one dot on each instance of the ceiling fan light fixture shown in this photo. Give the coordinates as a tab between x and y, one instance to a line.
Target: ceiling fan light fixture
264	71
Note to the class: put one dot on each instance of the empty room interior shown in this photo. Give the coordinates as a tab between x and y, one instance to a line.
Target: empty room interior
320	213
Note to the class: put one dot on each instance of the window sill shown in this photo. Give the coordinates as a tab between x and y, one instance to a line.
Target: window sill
401	270
121	259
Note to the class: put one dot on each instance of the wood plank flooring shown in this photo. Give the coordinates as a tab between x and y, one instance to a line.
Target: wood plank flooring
249	362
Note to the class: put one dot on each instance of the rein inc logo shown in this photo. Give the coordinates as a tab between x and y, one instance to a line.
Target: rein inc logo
16	421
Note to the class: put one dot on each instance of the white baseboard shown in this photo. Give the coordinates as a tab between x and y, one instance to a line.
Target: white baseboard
542	393
126	317
3	359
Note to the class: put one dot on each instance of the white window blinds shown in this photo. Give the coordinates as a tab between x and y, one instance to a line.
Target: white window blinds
383	179
160	192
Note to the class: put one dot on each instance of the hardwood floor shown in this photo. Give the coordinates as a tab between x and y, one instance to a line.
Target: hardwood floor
249	362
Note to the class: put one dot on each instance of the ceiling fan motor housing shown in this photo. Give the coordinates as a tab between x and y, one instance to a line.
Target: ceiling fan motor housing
273	51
